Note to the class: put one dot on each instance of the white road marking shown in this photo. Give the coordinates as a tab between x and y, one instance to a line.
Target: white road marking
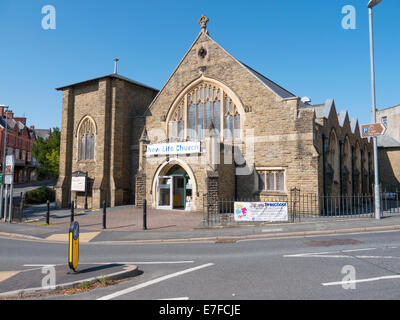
327	254
337	256
307	254
377	257
154	281
181	298
355	250
40	265
360	280
144	262
315	254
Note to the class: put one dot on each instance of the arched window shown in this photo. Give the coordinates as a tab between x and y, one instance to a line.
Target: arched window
178	122
357	168
86	140
347	177
334	156
199	107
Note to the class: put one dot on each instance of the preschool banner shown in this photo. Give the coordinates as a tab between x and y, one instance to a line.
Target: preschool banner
261	211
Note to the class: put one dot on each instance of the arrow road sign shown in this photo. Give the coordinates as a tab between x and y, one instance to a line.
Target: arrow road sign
373	130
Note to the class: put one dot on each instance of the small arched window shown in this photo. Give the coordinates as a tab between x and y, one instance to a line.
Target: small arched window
86	140
199	107
178	122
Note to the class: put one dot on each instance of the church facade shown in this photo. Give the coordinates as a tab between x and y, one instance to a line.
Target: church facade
217	129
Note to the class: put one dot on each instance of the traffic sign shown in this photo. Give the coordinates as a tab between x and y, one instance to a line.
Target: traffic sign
373	130
73	256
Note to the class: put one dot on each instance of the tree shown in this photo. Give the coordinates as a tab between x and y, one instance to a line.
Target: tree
47	153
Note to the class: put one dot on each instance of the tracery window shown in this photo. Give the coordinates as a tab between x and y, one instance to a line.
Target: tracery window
86	140
201	105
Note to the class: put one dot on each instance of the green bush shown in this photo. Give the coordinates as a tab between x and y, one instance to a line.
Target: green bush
40	195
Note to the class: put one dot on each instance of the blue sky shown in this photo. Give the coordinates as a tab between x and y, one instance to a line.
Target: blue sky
301	45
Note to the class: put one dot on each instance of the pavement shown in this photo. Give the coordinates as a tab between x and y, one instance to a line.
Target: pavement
125	224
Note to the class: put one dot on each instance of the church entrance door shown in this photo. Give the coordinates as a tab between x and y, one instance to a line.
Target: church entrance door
174	191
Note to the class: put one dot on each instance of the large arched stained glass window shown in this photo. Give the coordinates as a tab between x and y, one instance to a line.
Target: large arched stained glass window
86	140
204	104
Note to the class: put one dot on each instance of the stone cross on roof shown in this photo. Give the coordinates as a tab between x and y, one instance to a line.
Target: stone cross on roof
203	22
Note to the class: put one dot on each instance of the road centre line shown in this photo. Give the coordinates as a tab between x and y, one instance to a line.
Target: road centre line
143	262
377	257
326	256
171	299
355	250
40	265
312	254
154	281
108	263
360	280
317	254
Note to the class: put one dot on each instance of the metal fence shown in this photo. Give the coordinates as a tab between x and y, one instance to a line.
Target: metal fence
306	206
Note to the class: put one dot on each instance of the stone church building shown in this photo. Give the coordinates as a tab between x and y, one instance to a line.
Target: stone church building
217	129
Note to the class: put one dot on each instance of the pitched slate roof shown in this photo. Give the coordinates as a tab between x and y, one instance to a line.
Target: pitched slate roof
341	117
282	92
3	123
323	110
353	124
114	76
387	141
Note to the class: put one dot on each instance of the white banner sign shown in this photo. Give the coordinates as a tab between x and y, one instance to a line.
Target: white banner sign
10	160
173	148
78	184
261	211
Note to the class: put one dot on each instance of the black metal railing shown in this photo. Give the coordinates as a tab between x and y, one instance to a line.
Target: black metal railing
306	206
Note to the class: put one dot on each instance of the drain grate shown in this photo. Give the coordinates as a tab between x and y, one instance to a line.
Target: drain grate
334	242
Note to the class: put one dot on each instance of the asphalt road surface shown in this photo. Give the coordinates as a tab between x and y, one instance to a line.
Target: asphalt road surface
359	266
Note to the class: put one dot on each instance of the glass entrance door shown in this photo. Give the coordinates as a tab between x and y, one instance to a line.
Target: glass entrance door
165	193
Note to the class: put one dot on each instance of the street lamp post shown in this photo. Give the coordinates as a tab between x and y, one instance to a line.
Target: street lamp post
3	163
372	4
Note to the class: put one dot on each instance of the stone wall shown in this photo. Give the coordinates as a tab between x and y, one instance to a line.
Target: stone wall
351	172
283	135
389	168
66	142
112	104
393	120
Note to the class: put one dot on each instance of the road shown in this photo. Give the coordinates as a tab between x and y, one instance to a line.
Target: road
26	187
294	268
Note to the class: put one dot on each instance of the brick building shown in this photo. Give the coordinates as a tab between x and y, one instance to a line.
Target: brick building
20	141
217	128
